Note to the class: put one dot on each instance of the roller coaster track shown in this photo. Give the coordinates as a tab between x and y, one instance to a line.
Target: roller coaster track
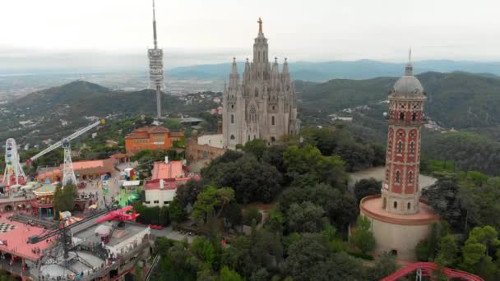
426	269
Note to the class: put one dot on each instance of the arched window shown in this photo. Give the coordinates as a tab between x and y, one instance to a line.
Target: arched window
248	137
272	120
395	204
400	147
401	116
414	116
232	118
384	203
410	177
273	139
409	206
232	137
398	176
256	92
258	56
412	147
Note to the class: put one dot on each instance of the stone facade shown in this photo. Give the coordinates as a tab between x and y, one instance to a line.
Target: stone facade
262	104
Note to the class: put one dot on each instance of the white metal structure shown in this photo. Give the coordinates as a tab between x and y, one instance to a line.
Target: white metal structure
13	170
68	173
156	68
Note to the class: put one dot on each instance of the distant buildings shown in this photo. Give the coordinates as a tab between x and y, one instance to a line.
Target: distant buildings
263	104
151	138
399	220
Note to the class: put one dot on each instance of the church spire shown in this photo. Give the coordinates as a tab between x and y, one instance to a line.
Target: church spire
154	26
409	65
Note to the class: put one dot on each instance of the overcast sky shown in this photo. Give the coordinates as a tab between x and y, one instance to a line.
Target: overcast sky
201	31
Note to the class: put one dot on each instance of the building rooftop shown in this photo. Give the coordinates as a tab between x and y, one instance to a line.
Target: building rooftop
372	206
14	236
144	132
170	170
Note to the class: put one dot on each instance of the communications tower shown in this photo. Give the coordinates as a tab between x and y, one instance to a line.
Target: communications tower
156	68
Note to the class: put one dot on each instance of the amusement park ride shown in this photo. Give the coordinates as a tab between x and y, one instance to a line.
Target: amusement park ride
64	232
14	173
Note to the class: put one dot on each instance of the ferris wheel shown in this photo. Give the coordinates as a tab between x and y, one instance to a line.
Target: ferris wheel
13	173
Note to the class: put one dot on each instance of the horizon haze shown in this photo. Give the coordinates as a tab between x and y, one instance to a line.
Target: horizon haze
196	32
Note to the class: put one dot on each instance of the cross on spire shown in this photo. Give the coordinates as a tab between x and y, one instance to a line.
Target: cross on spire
260	25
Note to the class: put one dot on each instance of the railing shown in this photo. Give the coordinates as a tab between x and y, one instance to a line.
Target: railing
156	260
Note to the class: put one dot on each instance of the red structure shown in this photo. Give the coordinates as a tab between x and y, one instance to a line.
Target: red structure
150	138
119	215
425	269
398	220
400	192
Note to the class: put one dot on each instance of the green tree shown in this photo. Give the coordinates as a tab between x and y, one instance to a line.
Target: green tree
448	250
251	180
308	161
227	274
177	212
64	198
211	202
384	266
362	236
305	217
366	187
257	147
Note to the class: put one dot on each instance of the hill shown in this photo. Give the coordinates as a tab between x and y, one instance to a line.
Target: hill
58	111
323	71
455	100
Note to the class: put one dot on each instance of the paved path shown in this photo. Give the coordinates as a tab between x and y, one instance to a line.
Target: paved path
172	234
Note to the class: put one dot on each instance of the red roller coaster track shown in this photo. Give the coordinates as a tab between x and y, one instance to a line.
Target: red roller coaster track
426	269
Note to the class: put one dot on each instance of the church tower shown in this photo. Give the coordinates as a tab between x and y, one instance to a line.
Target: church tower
400	191
262	104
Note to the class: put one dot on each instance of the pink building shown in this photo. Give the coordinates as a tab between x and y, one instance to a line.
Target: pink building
166	178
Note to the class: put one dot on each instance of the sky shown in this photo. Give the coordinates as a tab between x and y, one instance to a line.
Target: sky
85	32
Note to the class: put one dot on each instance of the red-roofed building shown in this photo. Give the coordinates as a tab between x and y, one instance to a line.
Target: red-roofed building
83	170
150	138
166	178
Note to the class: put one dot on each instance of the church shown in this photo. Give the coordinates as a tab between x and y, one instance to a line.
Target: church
262	103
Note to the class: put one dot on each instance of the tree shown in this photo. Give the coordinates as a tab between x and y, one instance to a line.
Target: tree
232	214
448	250
252	216
187	193
384	266
366	187
251	180
305	217
177	212
257	147
362	236
64	198
211	202
308	160
227	274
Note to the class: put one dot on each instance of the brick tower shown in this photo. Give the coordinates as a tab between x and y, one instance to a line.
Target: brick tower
400	191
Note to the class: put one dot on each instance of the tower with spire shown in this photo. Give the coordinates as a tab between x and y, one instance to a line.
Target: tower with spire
155	56
400	192
399	220
261	104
